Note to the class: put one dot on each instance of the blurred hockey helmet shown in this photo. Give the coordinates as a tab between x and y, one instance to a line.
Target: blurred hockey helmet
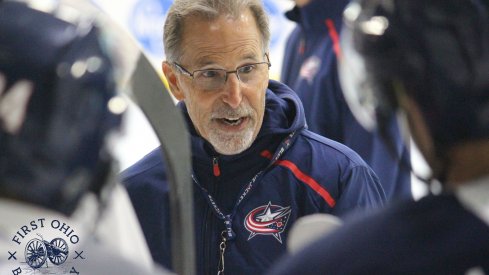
435	52
56	89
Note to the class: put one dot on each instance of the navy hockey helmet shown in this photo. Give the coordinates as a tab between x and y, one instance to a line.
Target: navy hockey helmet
56	86
435	52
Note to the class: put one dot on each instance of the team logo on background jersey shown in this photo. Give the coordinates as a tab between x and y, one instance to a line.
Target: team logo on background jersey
310	68
45	246
267	220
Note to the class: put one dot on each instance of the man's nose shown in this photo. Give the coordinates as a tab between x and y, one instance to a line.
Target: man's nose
232	91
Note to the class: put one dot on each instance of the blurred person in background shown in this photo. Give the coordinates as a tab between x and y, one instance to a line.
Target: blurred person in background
428	60
310	69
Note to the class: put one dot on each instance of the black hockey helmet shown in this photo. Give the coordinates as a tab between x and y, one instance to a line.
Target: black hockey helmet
436	52
56	89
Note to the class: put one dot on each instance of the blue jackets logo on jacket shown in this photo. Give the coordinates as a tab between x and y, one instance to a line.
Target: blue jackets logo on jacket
267	220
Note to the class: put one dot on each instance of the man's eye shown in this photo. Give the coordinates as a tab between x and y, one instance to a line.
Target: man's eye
246	69
210	74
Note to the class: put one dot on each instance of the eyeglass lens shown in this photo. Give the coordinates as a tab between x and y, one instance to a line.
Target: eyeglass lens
216	78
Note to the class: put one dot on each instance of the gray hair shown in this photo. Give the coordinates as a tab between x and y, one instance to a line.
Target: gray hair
209	9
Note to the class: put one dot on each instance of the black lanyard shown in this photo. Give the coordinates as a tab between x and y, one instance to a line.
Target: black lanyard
228	219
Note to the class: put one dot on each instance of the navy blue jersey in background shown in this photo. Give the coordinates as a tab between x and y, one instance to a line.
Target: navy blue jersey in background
310	69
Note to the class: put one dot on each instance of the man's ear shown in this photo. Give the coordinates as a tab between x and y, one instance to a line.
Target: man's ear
171	77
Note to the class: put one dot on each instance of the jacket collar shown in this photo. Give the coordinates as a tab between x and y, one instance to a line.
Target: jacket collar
312	16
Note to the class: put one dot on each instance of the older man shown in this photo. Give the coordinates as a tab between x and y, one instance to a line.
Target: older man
256	167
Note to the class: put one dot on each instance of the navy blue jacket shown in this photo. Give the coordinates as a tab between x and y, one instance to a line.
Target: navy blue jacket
436	235
310	69
314	174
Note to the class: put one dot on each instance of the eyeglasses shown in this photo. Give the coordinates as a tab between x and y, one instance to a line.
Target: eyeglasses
214	79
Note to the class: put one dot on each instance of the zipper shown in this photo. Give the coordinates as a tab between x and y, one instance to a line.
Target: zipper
211	223
215	250
207	252
215	167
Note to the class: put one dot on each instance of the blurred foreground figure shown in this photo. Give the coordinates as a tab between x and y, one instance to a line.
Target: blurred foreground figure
58	107
429	61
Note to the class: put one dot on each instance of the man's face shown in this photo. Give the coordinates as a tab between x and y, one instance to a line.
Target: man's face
229	117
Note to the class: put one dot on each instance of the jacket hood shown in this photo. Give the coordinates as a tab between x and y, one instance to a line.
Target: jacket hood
283	110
